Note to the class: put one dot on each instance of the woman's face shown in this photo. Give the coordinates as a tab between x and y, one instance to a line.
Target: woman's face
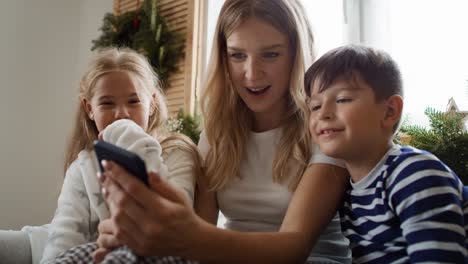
260	62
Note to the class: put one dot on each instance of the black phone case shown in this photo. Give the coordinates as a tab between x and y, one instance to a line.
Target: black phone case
128	160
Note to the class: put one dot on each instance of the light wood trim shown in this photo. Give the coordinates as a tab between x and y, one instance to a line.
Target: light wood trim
187	17
199	61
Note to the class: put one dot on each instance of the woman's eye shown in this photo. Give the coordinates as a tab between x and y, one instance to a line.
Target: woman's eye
343	100
270	55
106	103
238	56
134	101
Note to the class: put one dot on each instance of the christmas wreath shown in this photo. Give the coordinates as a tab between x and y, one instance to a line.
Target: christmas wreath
146	31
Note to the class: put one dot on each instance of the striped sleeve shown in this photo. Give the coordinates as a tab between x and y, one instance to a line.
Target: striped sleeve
425	195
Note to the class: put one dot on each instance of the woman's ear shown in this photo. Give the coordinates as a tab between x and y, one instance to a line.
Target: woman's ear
393	110
89	109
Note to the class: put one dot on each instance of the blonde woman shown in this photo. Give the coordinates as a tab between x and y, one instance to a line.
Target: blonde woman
277	191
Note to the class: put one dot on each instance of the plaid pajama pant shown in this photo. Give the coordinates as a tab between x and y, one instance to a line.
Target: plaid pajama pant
123	255
82	254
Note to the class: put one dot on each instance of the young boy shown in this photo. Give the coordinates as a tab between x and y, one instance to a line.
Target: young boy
403	205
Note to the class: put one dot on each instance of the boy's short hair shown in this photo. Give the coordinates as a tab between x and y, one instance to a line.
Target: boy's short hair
375	67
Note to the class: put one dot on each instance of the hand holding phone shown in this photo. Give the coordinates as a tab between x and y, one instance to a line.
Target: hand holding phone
127	159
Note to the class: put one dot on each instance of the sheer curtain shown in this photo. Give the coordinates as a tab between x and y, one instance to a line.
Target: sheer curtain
428	40
327	20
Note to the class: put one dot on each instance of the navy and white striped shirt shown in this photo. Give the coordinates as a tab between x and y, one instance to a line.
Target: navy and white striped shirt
410	208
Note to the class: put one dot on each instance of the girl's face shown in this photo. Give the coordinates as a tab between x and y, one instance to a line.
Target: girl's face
117	95
260	62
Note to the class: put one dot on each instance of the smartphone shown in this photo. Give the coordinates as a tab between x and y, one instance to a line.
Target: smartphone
127	159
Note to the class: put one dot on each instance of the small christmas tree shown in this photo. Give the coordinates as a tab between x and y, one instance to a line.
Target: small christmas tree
146	31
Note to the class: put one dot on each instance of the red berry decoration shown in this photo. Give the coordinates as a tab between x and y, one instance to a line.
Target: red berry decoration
136	21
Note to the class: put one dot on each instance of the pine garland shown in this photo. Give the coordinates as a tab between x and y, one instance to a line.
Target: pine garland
146	31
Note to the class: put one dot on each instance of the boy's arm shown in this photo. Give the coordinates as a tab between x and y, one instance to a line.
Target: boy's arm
309	212
70	225
426	197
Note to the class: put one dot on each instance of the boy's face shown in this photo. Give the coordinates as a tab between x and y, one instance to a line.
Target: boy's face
346	121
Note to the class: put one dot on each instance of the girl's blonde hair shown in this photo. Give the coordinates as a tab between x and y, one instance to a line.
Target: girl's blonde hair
229	129
125	60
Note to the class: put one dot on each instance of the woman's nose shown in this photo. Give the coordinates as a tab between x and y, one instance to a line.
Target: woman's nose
253	69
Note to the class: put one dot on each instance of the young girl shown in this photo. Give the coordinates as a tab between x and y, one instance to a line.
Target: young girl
122	103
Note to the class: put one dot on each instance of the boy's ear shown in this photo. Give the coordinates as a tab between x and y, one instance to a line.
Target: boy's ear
87	106
393	110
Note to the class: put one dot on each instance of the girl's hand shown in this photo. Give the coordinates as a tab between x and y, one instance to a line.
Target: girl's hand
106	240
155	221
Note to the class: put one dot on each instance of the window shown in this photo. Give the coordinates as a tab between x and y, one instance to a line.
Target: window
430	44
428	40
326	18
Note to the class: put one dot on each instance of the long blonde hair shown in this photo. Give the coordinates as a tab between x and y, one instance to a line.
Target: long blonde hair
229	129
125	60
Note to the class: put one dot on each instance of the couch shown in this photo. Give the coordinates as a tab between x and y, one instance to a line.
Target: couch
23	246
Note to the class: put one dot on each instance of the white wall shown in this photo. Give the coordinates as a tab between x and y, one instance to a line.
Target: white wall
44	48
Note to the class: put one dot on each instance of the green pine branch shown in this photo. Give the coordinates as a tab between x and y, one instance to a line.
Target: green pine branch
150	36
445	138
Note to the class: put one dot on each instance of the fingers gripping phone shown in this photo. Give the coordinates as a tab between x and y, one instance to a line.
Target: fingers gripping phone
127	159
